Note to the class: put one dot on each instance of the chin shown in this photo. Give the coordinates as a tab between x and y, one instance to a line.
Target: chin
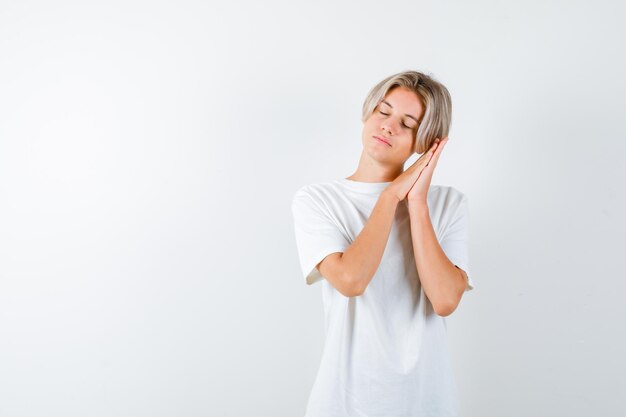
379	156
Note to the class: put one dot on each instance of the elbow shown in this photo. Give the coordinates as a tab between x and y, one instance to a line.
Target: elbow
446	306
445	309
351	293
352	287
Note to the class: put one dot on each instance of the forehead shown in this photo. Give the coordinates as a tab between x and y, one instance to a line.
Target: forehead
405	101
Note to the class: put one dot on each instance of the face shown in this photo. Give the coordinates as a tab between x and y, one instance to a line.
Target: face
395	121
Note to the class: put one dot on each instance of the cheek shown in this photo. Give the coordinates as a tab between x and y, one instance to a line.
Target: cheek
412	140
405	146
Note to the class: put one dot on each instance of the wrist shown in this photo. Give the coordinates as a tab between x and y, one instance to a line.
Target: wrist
418	207
390	196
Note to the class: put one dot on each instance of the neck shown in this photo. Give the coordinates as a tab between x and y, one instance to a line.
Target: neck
370	170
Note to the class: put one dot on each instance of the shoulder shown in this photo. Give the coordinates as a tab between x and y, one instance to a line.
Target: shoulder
316	195
446	194
445	201
318	190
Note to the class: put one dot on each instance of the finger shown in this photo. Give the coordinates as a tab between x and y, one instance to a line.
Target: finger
426	173
432	148
423	160
437	144
432	163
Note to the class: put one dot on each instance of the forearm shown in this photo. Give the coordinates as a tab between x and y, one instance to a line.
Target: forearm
442	282
362	258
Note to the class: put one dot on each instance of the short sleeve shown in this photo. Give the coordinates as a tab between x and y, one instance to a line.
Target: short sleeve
455	240
317	235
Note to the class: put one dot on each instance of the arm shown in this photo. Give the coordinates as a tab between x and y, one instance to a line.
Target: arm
352	271
443	283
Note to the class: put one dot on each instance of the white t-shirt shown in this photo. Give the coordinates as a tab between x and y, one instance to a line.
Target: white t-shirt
385	351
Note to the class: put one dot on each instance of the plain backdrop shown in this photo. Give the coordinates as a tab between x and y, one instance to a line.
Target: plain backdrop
149	152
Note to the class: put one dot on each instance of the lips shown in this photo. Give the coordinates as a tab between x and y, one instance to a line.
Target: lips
382	140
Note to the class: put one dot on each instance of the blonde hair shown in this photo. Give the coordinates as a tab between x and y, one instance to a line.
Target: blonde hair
435	122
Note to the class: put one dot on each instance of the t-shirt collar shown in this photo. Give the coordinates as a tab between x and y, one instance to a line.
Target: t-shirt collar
364	187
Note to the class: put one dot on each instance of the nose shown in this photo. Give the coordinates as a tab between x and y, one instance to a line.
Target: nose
388	127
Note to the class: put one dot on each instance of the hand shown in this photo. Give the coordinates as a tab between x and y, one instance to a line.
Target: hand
403	183
417	194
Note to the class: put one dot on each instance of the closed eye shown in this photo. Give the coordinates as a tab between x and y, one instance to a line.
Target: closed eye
404	124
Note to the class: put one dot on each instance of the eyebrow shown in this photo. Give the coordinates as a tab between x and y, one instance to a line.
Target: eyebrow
408	115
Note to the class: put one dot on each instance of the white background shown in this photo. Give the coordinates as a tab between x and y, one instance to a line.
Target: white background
149	152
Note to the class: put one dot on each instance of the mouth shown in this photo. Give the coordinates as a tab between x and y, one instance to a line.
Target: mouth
383	140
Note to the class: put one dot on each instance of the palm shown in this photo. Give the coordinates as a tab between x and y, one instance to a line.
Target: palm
419	191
